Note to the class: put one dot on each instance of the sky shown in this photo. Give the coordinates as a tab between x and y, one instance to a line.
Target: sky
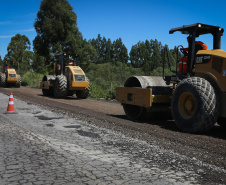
130	20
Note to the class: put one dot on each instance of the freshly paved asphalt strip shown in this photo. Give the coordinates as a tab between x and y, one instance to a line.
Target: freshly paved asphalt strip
38	146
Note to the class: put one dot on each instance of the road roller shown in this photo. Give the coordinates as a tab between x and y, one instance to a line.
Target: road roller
68	79
195	95
9	76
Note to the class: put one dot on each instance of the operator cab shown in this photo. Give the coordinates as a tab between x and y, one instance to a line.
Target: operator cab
63	61
194	31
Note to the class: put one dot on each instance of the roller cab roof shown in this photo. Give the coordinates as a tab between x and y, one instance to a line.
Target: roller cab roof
199	28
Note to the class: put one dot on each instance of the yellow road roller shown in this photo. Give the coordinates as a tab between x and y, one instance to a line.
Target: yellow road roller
195	94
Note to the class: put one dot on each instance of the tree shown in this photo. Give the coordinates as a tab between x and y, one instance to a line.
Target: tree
38	64
18	52
134	56
1	61
156	59
147	55
120	51
27	61
87	55
98	44
102	85
108	52
57	31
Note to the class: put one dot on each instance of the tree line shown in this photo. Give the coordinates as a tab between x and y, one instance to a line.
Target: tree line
145	55
106	62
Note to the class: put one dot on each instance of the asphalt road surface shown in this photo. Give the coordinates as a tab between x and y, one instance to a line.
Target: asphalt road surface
72	141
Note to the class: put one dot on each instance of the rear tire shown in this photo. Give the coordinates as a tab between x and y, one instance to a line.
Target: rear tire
18	83
194	105
2	80
85	93
50	91
60	86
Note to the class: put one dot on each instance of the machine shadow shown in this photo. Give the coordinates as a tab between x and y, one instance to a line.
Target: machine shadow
217	132
163	122
169	124
66	98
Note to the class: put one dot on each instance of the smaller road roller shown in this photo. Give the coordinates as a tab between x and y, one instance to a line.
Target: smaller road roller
69	79
9	77
195	95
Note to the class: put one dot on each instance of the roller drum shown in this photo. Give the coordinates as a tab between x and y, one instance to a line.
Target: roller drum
158	86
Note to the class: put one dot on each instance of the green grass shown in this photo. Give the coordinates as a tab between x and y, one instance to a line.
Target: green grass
31	79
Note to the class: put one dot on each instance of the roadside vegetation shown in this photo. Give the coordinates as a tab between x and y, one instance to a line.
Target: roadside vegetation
31	79
107	63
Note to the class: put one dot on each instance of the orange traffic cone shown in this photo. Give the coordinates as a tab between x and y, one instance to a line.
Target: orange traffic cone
10	109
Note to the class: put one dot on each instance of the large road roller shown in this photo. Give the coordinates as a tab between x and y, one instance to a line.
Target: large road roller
195	94
68	79
9	76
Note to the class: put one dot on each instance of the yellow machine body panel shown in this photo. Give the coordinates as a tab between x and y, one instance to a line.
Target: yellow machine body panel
134	96
11	76
79	85
76	77
212	63
142	97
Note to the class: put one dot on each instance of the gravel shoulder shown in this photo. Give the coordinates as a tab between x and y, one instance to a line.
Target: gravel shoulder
203	155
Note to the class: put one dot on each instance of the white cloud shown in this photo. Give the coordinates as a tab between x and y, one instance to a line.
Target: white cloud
32	14
25	22
27	30
5	22
5	37
31	29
